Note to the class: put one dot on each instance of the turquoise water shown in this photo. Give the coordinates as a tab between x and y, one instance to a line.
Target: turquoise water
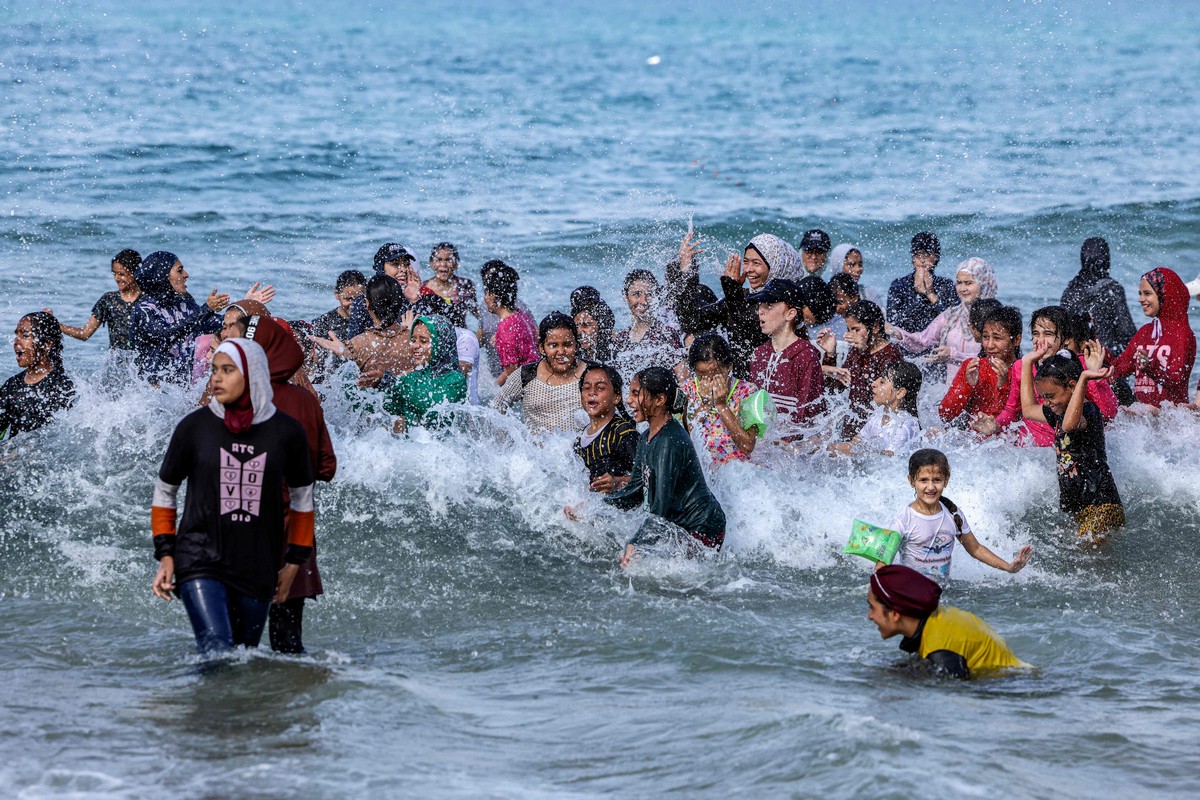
473	643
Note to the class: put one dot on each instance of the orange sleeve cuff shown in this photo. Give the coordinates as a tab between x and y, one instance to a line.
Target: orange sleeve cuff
162	521
300	528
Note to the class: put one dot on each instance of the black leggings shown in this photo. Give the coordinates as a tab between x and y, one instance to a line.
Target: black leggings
285	622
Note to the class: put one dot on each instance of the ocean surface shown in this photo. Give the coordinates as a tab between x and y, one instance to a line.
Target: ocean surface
472	643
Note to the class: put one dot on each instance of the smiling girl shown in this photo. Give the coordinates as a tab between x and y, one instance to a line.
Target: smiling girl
113	308
608	443
1086	488
548	389
31	398
415	396
870	354
1161	355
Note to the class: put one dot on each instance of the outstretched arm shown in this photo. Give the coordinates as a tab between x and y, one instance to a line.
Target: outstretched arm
1073	419
981	552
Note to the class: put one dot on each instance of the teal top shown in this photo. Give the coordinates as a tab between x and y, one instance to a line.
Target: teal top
415	395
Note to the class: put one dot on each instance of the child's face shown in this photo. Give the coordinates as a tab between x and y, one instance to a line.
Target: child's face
775	317
1148	298
1055	394
597	394
422	343
997	343
711	376
443	263
233	324
122	277
634	401
559	350
843	300
885	619
346	296
885	393
1045	333
588	328
853	265
856	333
929	483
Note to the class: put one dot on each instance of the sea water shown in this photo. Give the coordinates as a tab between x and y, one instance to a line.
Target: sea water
472	642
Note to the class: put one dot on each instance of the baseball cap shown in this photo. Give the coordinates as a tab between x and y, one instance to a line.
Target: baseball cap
816	239
392	252
780	290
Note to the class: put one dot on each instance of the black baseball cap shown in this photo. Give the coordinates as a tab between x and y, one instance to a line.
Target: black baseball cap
780	290
817	240
392	252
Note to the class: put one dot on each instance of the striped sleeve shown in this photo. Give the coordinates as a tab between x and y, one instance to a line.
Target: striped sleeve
163	511
301	524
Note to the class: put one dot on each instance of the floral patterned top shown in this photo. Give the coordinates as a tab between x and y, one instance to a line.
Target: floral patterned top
717	440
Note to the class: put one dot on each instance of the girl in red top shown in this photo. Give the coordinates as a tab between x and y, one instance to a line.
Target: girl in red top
1049	327
1162	353
981	385
517	334
870	352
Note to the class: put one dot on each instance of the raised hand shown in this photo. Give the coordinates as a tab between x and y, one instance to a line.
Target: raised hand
263	294
688	250
1093	354
333	344
827	341
1022	558
1096	374
972	374
733	268
216	301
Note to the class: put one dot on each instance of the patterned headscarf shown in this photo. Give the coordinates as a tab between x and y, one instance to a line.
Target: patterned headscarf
959	316
782	259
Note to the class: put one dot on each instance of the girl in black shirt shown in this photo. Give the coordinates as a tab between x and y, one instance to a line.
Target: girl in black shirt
31	398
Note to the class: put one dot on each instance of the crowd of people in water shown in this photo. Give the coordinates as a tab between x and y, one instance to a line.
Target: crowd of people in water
792	352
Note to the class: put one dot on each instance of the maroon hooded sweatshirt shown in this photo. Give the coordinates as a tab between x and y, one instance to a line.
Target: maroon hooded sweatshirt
1162	353
284	358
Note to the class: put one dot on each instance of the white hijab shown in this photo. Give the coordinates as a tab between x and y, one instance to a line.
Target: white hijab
262	396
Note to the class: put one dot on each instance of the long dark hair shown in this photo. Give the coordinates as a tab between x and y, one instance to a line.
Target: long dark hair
710	347
614	378
660	382
48	335
871	317
906	376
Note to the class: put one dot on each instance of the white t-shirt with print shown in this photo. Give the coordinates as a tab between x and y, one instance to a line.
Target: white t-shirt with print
927	542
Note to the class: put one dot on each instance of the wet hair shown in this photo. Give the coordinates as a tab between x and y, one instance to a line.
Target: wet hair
660	382
817	298
981	310
928	457
1056	315
606	321
639	275
710	347
48	336
445	246
926	242
870	315
501	281
614	380
1079	328
583	297
129	259
905	376
1062	369
554	321
1007	317
385	299
845	283
350	277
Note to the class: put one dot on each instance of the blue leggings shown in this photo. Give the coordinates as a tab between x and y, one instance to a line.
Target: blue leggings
222	617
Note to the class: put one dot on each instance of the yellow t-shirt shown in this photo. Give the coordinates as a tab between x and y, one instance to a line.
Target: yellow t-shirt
950	628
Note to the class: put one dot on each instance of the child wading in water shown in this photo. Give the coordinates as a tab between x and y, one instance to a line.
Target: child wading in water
608	443
893	427
1086	487
931	523
667	480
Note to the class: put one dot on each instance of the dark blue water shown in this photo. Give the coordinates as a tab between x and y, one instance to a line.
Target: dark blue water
472	643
